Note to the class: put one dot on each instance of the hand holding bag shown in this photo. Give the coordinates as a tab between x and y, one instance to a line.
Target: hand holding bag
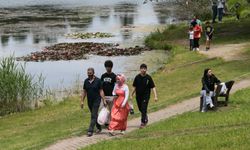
103	116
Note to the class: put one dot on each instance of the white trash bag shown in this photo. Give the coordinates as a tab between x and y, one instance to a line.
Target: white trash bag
223	88
103	116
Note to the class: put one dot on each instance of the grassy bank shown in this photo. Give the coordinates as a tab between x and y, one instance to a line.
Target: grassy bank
178	80
230	31
225	129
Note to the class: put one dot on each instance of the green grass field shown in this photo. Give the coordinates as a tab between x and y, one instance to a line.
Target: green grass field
227	128
176	82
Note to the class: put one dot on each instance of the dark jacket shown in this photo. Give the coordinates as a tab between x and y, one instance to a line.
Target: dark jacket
208	83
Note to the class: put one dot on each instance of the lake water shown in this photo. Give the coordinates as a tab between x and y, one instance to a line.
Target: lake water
30	25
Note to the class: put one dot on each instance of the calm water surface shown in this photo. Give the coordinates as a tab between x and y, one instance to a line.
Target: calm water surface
30	25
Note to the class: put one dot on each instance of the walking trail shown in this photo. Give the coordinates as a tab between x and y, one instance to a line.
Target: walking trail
228	52
74	143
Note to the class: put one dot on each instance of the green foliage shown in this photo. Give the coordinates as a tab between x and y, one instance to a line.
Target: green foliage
18	89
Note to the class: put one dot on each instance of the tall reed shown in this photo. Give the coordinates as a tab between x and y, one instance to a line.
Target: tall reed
18	89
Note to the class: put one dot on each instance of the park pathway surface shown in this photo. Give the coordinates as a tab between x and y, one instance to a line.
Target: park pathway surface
192	104
227	52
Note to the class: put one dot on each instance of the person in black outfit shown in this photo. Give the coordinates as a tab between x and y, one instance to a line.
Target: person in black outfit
208	85
215	10
92	88
142	85
108	82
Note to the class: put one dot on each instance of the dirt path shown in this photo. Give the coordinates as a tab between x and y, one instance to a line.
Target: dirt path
228	52
179	108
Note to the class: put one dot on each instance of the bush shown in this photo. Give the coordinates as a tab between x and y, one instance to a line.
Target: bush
245	13
18	90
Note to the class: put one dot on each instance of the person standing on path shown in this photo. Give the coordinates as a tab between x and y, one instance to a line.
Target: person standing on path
191	37
209	34
92	88
197	36
120	109
108	82
208	85
221	7
215	10
142	85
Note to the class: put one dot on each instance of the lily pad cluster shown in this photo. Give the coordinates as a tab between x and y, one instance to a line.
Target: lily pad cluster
76	51
89	35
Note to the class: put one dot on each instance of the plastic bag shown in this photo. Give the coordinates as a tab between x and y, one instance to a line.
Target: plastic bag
103	116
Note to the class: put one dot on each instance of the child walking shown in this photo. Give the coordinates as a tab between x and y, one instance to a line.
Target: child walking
209	34
197	35
191	38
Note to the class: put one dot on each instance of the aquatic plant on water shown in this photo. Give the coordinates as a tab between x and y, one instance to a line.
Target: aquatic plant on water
18	89
76	51
89	35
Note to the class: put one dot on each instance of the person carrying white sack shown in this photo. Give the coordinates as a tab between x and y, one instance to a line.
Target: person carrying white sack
209	80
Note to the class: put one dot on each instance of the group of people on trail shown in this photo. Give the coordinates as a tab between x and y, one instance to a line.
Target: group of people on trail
112	92
195	33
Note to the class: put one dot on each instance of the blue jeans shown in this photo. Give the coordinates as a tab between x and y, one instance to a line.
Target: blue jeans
207	99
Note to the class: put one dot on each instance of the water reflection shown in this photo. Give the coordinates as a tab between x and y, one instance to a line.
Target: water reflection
4	40
49	23
30	25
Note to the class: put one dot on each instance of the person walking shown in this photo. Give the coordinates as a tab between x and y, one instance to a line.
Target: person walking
92	88
208	85
120	109
209	34
142	85
197	36
191	37
215	10
108	82
221	7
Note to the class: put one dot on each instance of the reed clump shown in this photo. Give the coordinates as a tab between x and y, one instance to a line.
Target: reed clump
19	91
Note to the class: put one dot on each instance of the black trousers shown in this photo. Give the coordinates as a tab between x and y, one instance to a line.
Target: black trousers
220	13
196	42
143	106
93	108
215	10
191	44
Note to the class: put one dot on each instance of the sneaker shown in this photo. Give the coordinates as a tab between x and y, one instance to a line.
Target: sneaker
142	125
111	133
211	105
89	134
98	131
122	132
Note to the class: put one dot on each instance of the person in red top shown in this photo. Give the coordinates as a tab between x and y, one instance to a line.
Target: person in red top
197	35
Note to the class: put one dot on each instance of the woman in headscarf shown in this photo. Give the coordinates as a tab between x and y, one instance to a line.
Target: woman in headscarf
120	110
208	85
